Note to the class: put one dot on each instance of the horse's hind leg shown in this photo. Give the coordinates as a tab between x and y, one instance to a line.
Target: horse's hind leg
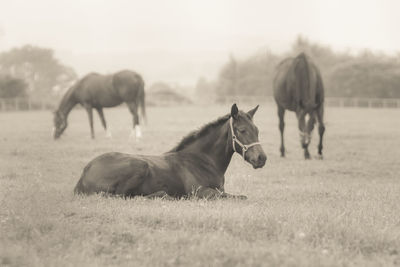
211	193
136	132
90	115
281	114
304	135
103	121
321	128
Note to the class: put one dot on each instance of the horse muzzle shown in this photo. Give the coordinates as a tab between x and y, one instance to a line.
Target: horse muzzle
257	160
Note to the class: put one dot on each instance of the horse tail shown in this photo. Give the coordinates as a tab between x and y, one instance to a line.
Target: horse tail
305	91
142	101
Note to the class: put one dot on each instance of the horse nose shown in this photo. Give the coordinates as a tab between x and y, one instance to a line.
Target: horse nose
262	158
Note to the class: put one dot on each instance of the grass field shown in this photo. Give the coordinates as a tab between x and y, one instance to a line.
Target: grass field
342	211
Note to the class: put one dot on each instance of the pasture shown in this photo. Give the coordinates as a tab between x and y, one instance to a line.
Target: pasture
342	211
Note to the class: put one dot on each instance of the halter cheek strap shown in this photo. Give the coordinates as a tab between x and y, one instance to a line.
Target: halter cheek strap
236	140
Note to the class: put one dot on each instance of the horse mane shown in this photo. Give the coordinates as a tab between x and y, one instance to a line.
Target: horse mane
66	97
196	134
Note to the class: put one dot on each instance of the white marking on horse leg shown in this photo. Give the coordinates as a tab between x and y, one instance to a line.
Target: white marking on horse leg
53	131
138	131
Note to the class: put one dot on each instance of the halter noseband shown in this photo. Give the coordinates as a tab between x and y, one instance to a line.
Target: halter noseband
236	140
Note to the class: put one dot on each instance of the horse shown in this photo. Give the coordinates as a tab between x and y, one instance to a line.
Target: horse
298	87
194	168
98	91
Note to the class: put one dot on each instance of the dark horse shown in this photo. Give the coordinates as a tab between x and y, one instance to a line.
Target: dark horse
195	167
298	87
98	91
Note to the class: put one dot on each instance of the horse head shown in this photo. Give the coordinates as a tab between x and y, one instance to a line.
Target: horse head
244	134
60	123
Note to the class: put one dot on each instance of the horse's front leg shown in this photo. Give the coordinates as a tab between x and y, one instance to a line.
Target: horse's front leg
103	122
211	193
281	115
90	115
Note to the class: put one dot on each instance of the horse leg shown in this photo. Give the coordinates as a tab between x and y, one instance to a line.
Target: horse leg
136	132
303	133
160	194
103	121
211	193
90	115
321	128
310	127
281	114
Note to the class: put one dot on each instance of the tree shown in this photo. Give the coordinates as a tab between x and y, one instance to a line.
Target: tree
37	66
344	74
227	83
12	87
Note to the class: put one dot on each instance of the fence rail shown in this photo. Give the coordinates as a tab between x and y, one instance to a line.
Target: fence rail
329	101
17	104
26	103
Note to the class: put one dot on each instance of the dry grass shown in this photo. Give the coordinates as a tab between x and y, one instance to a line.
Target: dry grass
343	210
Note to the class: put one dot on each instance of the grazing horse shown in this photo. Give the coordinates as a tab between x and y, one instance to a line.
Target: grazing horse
98	91
298	87
195	167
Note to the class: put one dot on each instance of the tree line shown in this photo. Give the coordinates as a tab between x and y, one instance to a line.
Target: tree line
32	71
367	74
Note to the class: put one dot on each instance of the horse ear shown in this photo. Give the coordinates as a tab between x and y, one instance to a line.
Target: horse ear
234	111
253	111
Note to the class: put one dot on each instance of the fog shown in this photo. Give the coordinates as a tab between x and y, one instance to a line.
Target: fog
179	41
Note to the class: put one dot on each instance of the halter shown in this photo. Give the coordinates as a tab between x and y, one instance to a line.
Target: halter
235	139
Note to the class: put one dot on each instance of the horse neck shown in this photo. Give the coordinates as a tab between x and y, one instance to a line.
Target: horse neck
68	102
217	145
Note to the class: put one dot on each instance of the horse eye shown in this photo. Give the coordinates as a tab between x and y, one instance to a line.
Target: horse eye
242	130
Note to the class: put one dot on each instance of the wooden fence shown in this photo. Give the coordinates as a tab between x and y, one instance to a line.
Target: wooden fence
329	101
26	103
16	104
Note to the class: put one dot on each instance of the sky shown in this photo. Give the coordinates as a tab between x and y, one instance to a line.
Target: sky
178	41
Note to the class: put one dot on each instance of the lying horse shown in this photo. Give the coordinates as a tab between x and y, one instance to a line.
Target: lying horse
98	91
298	87
195	167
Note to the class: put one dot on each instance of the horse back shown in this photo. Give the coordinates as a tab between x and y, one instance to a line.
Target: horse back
97	90
112	173
178	174
129	85
298	84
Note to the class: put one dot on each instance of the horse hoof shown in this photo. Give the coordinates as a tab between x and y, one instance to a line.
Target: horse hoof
109	135
320	157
